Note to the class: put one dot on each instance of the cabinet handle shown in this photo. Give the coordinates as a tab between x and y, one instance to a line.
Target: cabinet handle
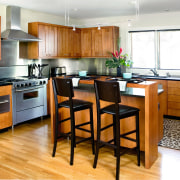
5	101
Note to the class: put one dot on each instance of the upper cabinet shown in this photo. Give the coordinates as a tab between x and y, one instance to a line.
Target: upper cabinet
69	44
99	43
47	47
76	42
61	41
65	45
0	37
86	42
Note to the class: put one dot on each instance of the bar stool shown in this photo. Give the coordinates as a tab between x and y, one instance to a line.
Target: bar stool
109	91
63	87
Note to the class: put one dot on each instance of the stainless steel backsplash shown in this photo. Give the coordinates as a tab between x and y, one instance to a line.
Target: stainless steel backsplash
11	65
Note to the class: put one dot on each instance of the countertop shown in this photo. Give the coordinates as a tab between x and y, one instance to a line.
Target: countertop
135	92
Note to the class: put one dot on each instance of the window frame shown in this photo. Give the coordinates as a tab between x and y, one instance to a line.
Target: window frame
156	46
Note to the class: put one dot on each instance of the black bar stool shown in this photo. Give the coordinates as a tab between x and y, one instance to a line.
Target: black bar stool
63	87
109	91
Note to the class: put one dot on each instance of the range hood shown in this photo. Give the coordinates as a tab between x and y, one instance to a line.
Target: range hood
13	30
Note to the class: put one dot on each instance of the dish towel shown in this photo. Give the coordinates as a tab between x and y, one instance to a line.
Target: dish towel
75	82
122	85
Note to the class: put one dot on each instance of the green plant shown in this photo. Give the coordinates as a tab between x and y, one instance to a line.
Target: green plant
118	60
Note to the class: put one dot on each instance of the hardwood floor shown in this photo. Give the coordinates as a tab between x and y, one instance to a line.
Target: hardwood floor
25	153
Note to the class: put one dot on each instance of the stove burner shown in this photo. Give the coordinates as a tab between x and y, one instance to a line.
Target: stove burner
25	81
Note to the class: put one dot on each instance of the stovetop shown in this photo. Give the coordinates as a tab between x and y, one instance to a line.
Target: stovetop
24	81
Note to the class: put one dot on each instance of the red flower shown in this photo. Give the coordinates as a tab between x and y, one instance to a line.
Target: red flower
116	55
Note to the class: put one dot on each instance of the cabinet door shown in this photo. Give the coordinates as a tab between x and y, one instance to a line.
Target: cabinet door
86	42
107	41
43	35
76	43
174	98
65	42
97	46
52	41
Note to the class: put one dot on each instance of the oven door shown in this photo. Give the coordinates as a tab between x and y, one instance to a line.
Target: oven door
29	97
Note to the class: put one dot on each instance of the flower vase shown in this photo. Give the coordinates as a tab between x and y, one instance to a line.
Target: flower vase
119	71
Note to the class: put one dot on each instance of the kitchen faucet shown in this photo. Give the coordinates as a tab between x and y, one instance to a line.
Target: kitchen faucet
154	72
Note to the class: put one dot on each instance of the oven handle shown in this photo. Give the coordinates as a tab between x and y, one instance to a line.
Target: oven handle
5	101
27	89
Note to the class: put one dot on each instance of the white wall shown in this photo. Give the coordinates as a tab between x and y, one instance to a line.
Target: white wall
31	16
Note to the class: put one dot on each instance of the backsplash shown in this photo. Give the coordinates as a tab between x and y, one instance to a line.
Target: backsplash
11	61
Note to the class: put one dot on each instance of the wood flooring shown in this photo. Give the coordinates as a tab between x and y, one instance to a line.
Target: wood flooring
25	153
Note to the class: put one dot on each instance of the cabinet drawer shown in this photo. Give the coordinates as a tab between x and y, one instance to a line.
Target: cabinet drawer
174	112
4	104
174	91
5	120
175	84
173	98
4	90
174	105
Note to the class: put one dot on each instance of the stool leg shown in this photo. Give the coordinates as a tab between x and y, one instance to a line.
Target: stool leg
92	129
55	134
137	139
98	140
118	147
72	137
114	133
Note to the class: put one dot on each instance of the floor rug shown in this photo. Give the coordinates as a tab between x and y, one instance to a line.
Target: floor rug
171	138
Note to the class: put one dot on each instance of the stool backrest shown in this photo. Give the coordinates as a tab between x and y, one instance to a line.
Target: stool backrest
107	91
63	87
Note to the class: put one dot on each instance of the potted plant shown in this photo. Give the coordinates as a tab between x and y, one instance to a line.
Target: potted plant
118	61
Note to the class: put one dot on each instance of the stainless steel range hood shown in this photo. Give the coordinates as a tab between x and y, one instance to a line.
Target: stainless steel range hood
13	30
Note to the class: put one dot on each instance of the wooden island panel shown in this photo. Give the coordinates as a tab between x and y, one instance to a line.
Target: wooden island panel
148	118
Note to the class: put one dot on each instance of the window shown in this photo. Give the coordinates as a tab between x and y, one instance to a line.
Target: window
169	50
143	49
163	44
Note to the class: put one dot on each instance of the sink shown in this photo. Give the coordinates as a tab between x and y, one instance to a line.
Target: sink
150	77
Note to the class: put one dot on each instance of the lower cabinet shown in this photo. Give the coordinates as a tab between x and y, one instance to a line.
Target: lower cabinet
5	107
174	98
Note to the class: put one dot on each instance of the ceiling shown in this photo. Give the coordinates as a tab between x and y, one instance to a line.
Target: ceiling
79	9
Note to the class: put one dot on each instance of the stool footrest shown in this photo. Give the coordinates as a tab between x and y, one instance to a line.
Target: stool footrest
82	140
83	129
130	132
102	129
83	124
107	144
61	121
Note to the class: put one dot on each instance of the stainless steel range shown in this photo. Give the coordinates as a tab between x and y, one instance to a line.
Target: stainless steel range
29	98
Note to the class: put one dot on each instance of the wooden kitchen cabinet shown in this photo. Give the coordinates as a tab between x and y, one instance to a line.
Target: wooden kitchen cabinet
110	36
61	41
69	44
65	42
174	98
6	116
86	42
99	43
77	43
47	48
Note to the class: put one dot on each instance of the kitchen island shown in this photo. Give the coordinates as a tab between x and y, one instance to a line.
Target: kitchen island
148	101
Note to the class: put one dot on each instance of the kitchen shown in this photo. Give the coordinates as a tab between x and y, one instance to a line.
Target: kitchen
92	65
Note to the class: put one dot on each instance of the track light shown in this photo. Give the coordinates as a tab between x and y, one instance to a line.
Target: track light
74	28
99	27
